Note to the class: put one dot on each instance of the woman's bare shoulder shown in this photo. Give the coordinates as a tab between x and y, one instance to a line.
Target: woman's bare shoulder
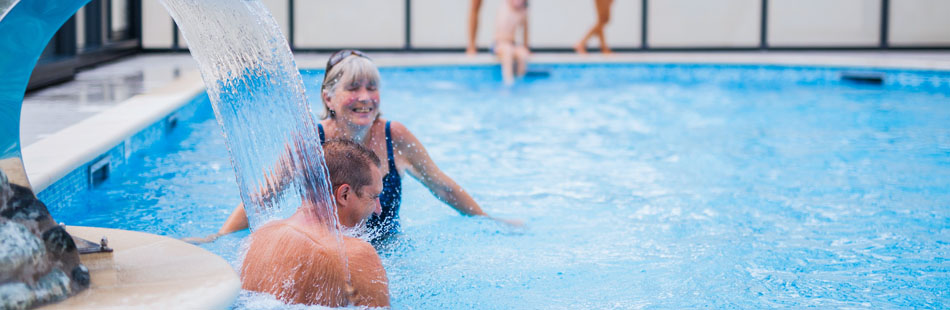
401	134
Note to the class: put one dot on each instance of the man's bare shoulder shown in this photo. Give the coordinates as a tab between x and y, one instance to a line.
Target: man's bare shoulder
358	247
362	257
307	241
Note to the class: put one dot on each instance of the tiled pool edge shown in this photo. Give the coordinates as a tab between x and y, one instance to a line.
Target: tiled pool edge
59	165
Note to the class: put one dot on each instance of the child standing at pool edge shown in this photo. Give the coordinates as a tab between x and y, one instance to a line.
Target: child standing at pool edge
512	15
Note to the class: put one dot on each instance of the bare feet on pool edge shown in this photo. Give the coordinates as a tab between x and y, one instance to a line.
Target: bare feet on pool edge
580	48
471	51
606	51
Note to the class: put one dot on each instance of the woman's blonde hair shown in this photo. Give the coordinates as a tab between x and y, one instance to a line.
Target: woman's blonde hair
351	68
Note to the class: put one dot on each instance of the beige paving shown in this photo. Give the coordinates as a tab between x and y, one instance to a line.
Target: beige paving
148	271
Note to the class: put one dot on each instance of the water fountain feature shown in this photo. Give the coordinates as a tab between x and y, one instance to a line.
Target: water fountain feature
259	101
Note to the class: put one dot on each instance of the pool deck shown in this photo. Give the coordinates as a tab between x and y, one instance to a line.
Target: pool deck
108	103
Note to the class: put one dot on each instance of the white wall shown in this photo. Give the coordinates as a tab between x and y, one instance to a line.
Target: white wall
704	23
439	23
919	22
824	23
444	23
349	23
156	25
551	23
81	29
120	18
280	9
562	23
331	24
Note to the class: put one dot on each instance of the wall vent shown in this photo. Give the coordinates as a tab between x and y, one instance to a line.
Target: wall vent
99	171
171	122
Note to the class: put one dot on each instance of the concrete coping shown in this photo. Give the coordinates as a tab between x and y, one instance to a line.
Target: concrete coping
50	159
147	271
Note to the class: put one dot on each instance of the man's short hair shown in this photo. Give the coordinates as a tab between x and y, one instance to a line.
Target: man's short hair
349	163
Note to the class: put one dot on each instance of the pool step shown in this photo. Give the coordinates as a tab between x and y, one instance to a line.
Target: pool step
99	171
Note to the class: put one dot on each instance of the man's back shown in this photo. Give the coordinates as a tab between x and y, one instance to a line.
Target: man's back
300	263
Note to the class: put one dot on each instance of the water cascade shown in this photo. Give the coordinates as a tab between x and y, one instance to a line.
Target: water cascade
259	102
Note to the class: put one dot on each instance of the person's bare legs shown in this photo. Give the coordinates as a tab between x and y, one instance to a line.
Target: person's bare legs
505	53
521	57
603	17
581	46
471	49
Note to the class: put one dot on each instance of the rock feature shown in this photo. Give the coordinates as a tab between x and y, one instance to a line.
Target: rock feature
34	252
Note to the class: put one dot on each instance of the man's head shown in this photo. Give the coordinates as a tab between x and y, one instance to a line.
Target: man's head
356	180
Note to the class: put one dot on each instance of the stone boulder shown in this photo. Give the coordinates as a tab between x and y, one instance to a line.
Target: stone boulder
39	262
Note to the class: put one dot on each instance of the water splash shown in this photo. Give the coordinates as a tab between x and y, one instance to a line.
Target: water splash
259	102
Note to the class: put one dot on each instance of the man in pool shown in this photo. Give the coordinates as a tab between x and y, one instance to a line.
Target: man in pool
298	259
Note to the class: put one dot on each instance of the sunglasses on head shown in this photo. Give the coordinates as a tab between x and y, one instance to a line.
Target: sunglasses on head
339	56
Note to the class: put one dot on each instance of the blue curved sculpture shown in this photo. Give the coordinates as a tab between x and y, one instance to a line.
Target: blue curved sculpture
39	261
25	30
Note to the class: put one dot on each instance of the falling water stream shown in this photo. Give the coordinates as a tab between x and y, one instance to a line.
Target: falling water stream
260	104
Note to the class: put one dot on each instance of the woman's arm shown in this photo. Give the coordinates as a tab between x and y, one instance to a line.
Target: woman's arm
426	171
235	222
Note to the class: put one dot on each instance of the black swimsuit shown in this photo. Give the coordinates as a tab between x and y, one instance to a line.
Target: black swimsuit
387	222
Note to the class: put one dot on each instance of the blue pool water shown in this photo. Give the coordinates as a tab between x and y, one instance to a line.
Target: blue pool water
643	186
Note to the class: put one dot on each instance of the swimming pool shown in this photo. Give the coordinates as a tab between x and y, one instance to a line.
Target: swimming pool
667	186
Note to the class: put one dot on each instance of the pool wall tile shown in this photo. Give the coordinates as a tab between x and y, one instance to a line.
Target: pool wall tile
78	180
